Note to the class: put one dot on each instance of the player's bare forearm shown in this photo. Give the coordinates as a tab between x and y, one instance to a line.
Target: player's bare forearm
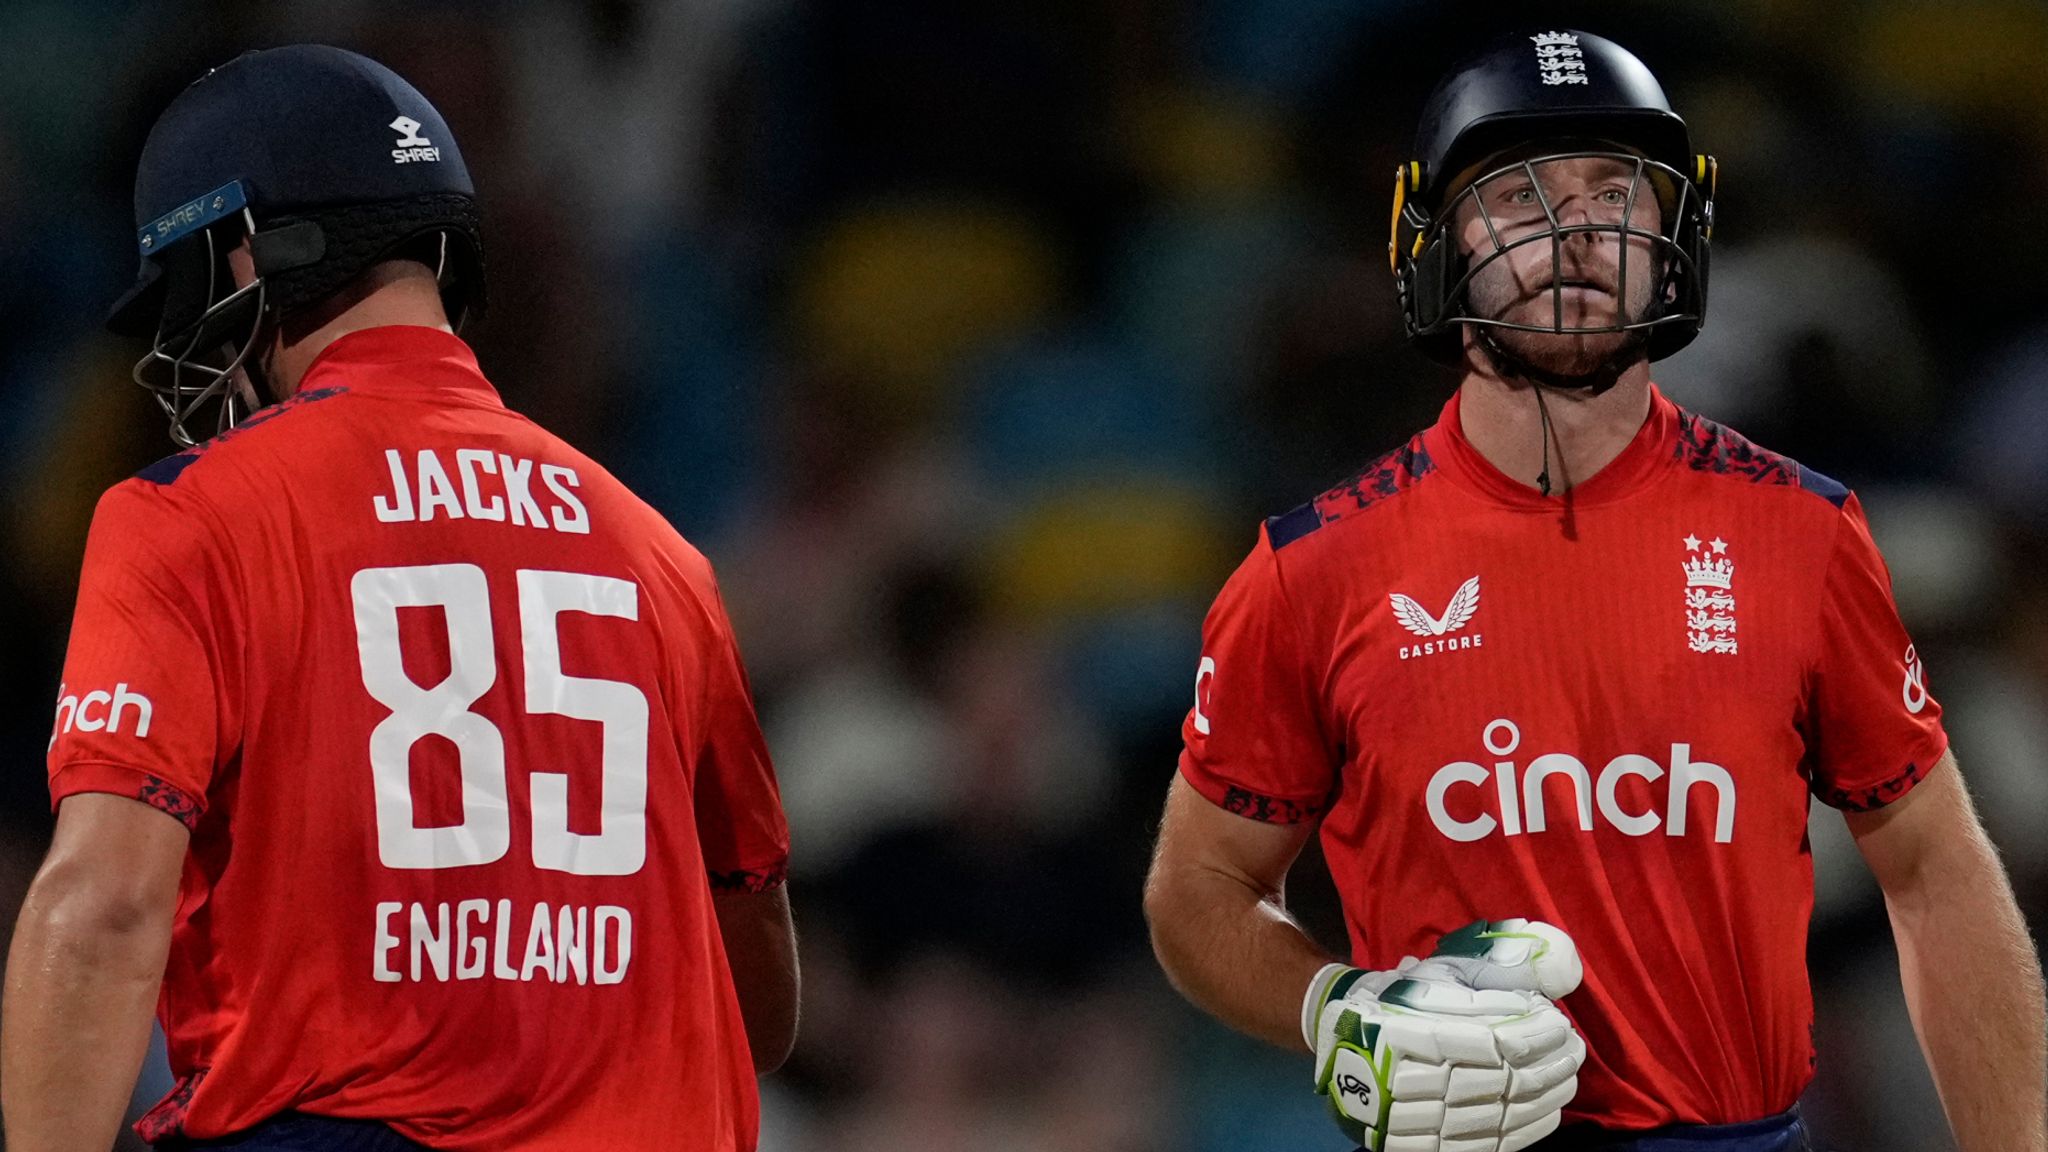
760	947
1974	987
1975	991
1214	903
1972	977
1233	951
83	974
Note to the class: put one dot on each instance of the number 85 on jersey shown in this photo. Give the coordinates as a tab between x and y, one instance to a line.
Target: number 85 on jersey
484	834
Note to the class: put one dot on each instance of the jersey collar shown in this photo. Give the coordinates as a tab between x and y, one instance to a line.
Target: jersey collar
1641	462
399	358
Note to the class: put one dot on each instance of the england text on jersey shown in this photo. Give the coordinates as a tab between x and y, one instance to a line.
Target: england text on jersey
479	939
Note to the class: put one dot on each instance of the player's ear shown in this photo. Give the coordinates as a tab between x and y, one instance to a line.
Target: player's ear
241	264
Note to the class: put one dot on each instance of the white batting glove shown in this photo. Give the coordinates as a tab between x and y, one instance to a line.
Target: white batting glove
1465	1051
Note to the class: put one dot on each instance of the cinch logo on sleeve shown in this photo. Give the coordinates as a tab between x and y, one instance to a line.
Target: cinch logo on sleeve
1517	804
100	711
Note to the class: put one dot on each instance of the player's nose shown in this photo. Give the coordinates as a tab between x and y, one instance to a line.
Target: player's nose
1574	208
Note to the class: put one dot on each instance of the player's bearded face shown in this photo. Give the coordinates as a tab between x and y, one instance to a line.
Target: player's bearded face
1573	280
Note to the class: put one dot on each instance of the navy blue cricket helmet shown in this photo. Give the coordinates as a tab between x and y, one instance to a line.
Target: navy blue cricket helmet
328	162
1524	89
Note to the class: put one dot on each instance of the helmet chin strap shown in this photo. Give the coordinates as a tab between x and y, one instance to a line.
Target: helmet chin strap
1543	416
255	388
1509	366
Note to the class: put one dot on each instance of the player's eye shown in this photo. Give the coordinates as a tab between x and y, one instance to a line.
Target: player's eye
1614	196
1522	194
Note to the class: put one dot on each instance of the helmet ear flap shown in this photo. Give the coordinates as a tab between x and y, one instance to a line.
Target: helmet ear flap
289	246
1432	277
1688	261
1709	180
1435	285
1424	270
1411	218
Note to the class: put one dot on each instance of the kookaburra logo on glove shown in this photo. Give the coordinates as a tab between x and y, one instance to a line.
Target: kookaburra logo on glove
1465	1051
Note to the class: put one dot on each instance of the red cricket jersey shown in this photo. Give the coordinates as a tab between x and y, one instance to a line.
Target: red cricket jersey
1606	712
464	742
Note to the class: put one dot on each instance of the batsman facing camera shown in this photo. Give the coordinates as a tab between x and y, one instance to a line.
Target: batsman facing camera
1465	1051
1555	223
1628	576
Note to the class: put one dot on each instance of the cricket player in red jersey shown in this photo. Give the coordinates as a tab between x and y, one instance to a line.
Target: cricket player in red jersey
1556	680
404	761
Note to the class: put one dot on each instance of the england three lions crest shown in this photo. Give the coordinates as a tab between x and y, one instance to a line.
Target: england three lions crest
1709	596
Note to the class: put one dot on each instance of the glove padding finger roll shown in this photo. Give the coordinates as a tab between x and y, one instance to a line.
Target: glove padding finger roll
1464	1051
1537	1035
1519	955
1520	1138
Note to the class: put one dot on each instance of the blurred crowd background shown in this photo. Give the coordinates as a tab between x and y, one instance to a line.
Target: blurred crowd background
971	340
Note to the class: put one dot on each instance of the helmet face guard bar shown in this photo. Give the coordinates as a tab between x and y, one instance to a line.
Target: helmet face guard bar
201	352
1436	271
1672	263
175	371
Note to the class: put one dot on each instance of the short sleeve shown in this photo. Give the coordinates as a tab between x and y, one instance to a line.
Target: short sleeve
1874	730
740	822
140	710
1253	743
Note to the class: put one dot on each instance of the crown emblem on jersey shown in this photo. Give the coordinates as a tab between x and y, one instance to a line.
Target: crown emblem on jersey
1701	572
1709	596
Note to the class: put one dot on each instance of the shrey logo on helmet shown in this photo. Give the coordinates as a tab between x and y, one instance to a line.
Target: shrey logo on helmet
412	147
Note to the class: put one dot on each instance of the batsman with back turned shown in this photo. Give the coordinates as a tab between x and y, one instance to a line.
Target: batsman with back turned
404	765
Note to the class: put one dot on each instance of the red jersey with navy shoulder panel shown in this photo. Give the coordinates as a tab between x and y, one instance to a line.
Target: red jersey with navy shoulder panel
462	736
1606	711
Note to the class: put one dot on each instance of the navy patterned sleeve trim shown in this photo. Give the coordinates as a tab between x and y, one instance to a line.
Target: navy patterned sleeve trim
1388	476
1706	446
1878	795
1267	809
750	881
169	799
167	1119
